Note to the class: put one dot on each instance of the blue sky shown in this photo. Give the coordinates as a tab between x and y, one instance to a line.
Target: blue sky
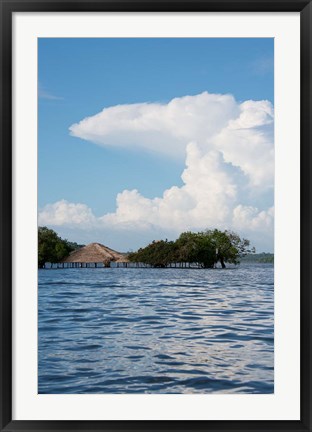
78	78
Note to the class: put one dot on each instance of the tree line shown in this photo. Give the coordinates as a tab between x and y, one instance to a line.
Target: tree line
52	248
206	249
263	257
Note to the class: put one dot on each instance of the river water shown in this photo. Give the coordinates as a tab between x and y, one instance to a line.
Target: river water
156	330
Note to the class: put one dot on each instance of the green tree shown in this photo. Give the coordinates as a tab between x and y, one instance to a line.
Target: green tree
195	248
186	247
205	248
51	248
205	251
157	254
228	246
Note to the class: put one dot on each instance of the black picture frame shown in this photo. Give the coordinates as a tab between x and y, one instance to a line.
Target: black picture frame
8	7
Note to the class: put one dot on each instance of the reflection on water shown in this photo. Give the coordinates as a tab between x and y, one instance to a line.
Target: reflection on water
156	330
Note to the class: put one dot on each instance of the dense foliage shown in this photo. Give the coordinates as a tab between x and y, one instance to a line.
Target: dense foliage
51	247
205	249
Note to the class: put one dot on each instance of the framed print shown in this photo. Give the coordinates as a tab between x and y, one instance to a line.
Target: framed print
155	215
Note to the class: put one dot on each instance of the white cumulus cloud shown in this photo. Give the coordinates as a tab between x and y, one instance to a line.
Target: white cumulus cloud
229	154
207	192
66	213
155	127
247	142
252	219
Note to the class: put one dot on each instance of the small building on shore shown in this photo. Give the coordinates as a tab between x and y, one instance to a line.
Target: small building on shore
93	255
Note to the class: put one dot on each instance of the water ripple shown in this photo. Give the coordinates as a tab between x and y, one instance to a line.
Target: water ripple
156	331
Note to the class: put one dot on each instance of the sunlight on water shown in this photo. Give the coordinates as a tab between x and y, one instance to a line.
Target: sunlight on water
156	330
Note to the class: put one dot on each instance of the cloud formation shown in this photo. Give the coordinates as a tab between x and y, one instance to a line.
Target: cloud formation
66	213
229	162
162	128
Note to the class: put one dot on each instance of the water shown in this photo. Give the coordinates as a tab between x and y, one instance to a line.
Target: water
156	330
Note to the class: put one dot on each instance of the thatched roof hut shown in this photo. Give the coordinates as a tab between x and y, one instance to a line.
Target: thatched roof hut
95	253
